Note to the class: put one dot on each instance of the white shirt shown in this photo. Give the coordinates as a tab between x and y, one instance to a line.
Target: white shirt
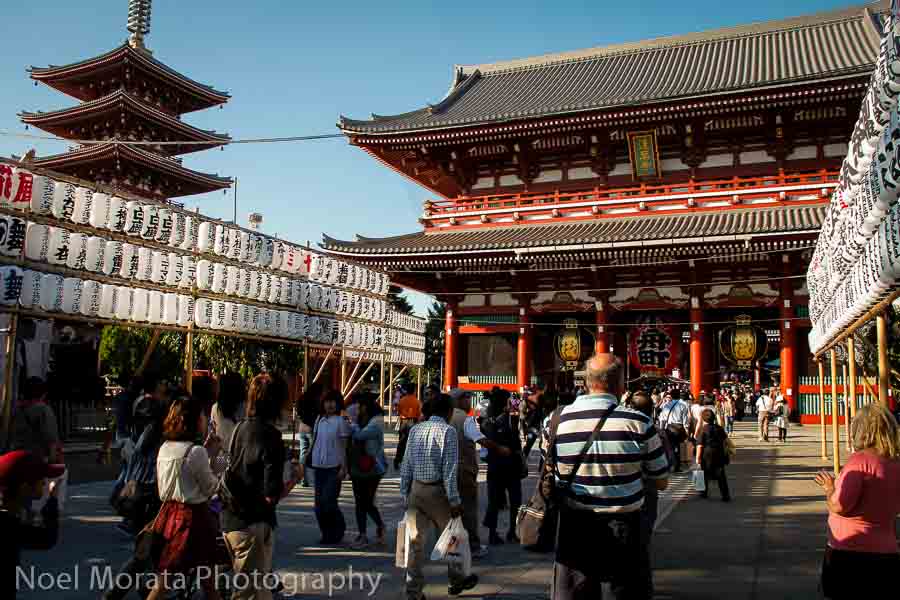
675	411
697	412
472	431
193	479
327	450
764	404
223	425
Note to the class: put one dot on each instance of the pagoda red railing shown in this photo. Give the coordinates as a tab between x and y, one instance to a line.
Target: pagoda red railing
683	190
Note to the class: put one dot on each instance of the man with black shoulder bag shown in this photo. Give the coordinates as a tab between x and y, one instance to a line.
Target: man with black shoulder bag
602	452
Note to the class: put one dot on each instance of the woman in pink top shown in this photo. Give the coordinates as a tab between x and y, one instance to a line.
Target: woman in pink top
862	555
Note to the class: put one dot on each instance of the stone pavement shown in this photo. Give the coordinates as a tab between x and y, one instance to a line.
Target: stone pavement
766	544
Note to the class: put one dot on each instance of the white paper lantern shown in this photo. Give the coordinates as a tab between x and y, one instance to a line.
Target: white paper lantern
94	250
205	274
218	316
232	280
140	305
145	264
170	309
185	310
174	274
264	325
220	241
30	293
188	272
314	296
117	214
288	259
245	323
219	274
164	230
42	195
276	255
82	212
109	298
232	316
267	251
206	236
243	285
304	296
37	242
265	287
112	258
71	295
91	292
134	218
155	307
63	200
12	235
203	313
234	243
191	233
284	324
151	222
58	252
300	323
178	224
254	248
160	272
99	215
12	278
124	303
275	322
77	251
274	289
244	245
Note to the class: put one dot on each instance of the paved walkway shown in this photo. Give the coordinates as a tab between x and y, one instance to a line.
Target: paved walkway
766	544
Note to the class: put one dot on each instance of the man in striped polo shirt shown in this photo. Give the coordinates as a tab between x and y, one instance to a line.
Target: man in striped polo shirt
599	529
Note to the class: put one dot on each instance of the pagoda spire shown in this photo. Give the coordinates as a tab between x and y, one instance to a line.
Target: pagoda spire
139	22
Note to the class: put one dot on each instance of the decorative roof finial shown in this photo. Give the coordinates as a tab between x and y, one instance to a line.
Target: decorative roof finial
138	21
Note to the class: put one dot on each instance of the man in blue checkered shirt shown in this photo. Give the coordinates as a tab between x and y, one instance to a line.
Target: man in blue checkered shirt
428	484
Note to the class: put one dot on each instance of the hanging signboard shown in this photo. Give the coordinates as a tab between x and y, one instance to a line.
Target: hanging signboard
654	348
644	155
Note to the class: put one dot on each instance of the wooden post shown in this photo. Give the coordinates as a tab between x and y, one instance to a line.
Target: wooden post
884	369
847	401
835	429
343	371
822	410
188	359
148	353
419	383
851	373
305	365
352	375
8	374
324	362
389	385
381	387
356	383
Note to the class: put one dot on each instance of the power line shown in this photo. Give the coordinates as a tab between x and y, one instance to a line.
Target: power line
462	322
461	271
271	140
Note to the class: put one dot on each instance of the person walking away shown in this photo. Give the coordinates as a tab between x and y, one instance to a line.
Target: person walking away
368	465
764	406
781	412
470	437
256	478
729	407
711	455
409	411
186	482
429	488
329	462
643	403
614	447
308	412
861	558
23	479
34	424
675	423
226	413
505	467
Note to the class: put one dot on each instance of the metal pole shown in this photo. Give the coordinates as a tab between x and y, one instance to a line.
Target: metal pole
8	374
419	384
235	200
390	385
884	369
835	429
822	410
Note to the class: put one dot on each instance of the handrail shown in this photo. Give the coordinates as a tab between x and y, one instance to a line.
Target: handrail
622	194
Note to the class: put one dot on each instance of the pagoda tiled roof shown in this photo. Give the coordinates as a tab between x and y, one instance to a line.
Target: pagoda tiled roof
97	152
123	99
814	48
141	58
606	232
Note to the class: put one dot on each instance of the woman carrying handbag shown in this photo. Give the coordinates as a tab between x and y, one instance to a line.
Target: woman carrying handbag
367	466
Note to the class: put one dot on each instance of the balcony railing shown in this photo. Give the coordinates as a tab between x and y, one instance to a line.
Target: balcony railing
626	195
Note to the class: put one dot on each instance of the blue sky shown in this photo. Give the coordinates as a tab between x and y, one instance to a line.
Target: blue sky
293	66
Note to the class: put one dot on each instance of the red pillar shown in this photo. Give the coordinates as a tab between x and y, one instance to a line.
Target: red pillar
601	341
788	345
451	335
523	354
697	346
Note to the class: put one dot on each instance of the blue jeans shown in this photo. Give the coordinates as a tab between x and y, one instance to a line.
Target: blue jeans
328	512
305	440
729	424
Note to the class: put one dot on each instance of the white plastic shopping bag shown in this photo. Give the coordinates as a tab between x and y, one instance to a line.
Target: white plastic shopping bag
453	546
699	480
62	490
402	554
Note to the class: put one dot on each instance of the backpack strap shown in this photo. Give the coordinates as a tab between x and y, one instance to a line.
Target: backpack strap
587	446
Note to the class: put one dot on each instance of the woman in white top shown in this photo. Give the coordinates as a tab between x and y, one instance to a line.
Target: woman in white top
328	458
186	483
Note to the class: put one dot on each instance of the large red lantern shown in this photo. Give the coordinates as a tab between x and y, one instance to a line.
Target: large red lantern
654	348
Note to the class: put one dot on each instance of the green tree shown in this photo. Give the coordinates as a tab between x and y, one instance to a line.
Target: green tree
222	353
398	300
122	350
434	338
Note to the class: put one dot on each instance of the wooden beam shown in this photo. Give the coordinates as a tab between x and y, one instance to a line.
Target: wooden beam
350	379
873	313
884	368
822	410
8	374
392	379
148	353
358	381
835	429
324	362
188	361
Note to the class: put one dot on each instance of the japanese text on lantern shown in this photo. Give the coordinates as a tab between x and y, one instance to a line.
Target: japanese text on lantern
652	349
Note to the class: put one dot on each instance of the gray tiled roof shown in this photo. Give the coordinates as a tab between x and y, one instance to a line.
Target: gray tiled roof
811	48
693	226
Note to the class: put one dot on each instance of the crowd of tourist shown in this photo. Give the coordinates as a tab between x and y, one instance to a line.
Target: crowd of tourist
202	475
